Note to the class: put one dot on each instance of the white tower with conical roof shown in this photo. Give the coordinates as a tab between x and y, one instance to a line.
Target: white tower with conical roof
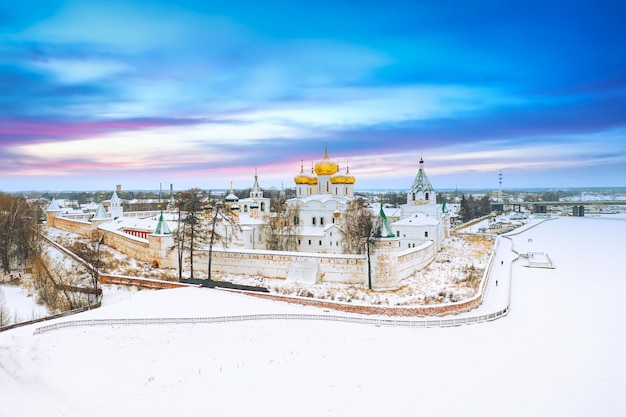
115	206
421	191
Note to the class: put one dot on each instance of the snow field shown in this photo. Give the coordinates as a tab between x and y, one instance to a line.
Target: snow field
558	352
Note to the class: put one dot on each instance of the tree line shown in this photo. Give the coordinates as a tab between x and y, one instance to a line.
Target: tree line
472	208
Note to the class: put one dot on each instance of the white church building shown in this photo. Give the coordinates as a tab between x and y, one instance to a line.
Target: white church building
323	194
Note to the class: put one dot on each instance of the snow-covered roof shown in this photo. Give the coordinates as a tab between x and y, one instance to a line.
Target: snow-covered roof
392	211
136	223
231	197
54	206
89	206
101	213
316	230
115	198
311	231
245	219
421	181
322	198
162	228
417	219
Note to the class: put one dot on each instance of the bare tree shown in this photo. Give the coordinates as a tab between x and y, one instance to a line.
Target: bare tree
19	237
358	225
89	251
58	284
222	221
190	206
281	227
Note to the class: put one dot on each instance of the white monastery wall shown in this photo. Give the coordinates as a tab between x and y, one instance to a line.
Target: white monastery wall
389	265
415	259
81	227
347	269
133	246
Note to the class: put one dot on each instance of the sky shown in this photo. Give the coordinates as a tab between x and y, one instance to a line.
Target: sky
202	93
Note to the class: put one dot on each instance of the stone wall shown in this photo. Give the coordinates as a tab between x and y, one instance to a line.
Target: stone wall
415	259
81	227
388	265
350	269
133	246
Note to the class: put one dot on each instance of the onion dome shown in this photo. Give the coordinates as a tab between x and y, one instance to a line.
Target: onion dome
231	198
301	178
350	179
338	178
326	166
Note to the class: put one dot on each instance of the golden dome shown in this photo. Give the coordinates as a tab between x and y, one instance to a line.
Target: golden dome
302	178
338	178
326	166
350	179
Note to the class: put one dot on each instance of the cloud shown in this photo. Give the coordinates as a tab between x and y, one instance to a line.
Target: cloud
196	88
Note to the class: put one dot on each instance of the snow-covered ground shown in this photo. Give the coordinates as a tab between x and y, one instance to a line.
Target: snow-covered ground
443	281
20	305
558	352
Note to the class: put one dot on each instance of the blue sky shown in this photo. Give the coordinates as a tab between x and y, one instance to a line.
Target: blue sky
202	93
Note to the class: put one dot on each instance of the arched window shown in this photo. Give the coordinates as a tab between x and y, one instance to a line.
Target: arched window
426	196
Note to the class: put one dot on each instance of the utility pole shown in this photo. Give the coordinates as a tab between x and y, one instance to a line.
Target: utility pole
369	265
96	267
500	182
216	209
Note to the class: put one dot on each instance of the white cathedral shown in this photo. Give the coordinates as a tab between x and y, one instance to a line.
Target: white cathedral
321	197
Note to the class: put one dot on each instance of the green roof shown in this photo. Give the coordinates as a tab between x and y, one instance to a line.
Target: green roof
162	227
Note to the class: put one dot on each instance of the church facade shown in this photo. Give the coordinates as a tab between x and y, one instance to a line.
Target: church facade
322	196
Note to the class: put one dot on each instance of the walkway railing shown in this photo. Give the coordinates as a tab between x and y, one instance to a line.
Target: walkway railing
280	316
